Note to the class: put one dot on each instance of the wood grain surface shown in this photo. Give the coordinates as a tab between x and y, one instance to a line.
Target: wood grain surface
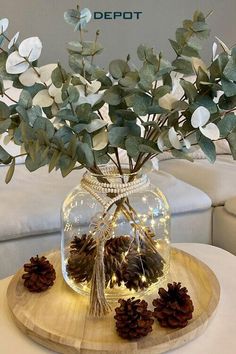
58	318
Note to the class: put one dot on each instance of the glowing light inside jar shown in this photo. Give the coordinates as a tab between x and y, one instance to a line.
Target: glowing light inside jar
143	278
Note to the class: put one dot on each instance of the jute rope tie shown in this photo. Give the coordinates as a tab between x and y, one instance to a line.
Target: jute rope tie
97	188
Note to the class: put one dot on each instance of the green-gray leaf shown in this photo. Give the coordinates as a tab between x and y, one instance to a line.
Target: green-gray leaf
228	87
218	65
44	124
232	143
59	76
189	90
227	103
183	66
72	16
85	154
5	157
92	127
113	96
117	136
230	69
140	103
208	147
118	68
25	99
54	160
130	80
66	164
227	125
4	111
134	145
10	171
4	125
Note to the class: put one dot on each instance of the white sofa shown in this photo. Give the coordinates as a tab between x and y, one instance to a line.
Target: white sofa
218	181
30	209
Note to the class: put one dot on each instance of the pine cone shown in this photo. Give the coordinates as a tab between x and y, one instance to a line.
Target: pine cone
82	244
40	274
174	307
142	270
122	260
133	320
116	246
80	266
81	260
114	251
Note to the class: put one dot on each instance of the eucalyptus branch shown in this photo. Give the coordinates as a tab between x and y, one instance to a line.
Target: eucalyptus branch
123	93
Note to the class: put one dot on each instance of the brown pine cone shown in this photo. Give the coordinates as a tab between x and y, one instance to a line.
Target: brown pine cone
142	270
82	244
122	260
133	320
116	246
114	251
80	266
40	274
82	257
174	307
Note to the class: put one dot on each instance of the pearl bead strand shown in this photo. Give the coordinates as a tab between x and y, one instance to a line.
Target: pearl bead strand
121	190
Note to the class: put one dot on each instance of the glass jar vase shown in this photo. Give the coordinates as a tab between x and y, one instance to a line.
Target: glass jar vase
121	221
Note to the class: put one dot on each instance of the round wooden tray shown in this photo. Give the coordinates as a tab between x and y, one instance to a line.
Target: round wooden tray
58	318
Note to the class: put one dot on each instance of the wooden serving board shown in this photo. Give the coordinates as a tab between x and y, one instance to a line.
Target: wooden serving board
58	318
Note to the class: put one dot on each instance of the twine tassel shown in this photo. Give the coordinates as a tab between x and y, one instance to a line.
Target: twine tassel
98	303
101	230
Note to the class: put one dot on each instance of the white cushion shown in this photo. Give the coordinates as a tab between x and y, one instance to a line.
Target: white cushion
30	203
224	226
216	180
230	206
182	197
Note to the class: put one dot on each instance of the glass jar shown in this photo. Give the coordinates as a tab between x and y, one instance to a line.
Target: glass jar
131	217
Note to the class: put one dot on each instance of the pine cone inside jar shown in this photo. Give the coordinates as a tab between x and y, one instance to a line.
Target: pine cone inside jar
84	244
114	253
174	307
40	274
137	266
82	258
142	269
133	319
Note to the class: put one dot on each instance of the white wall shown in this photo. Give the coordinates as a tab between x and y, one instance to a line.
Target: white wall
158	23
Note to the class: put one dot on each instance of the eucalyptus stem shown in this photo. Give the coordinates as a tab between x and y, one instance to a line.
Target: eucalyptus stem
95	42
10	98
118	161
